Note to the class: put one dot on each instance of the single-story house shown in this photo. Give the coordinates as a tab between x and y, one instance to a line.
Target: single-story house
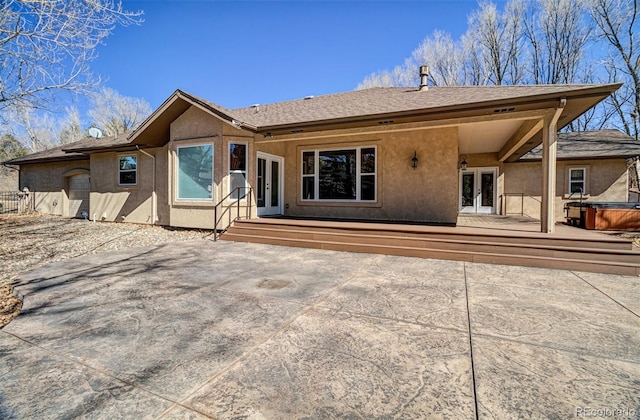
398	154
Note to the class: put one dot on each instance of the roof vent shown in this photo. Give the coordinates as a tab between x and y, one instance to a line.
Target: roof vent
424	75
501	110
256	107
309	97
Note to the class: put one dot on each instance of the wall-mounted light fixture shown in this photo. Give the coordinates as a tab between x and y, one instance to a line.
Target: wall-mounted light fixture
462	164
414	160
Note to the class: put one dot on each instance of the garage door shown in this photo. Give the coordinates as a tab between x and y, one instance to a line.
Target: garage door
78	195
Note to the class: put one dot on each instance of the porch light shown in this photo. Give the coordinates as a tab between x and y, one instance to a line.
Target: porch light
463	163
414	160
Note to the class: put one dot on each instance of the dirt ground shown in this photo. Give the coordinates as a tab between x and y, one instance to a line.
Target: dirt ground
31	241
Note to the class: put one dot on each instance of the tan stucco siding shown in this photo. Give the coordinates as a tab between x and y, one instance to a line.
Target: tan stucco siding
606	181
428	193
50	183
196	127
118	203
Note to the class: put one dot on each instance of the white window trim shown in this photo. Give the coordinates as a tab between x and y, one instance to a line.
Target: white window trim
177	172
246	171
316	174
121	155
584	179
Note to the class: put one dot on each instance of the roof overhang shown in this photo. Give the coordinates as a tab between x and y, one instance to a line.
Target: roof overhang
521	118
63	158
89	150
578	102
155	130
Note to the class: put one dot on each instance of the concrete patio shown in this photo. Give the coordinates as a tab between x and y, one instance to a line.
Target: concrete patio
200	329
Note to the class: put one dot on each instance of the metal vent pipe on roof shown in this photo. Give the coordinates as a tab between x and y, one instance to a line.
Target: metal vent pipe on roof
424	74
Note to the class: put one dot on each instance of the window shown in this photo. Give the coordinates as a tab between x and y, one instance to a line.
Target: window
339	175
195	172
577	181
237	169
127	170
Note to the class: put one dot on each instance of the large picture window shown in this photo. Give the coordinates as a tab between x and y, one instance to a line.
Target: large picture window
339	174
195	172
127	170
237	169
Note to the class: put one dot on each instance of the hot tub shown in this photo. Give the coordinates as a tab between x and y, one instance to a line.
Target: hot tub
603	215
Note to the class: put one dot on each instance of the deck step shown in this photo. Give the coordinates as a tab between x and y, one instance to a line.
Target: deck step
603	255
440	232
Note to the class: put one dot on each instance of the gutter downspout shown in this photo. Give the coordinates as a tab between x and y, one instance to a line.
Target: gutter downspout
549	153
154	196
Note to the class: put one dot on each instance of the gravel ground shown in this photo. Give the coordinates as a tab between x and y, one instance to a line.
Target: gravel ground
31	241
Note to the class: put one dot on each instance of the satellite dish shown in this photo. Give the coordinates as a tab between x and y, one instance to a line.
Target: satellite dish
95	132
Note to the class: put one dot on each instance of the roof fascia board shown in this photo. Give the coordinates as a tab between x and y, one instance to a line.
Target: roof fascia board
154	115
47	160
571	158
397	128
101	149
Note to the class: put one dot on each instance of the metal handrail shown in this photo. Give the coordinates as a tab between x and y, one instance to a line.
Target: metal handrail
217	232
581	195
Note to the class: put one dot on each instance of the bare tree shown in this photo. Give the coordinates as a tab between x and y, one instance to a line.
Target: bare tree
46	46
116	114
35	130
494	39
617	22
557	34
444	57
71	127
396	77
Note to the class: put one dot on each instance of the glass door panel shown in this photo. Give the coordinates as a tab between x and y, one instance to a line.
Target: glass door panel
269	185
487	189
468	187
275	183
478	190
262	182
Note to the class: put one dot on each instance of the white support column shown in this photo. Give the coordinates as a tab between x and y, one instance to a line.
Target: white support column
549	152
548	176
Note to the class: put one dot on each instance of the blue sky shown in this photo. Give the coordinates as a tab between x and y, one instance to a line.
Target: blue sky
237	53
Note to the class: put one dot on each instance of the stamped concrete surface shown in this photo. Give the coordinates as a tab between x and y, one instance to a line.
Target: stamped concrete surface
231	330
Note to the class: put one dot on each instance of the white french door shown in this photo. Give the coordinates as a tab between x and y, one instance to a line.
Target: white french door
269	184
478	190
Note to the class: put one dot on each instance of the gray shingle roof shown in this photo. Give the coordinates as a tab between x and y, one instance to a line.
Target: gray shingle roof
90	143
72	151
52	154
590	145
381	101
359	105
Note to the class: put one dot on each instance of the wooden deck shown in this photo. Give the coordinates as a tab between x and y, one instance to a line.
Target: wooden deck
485	239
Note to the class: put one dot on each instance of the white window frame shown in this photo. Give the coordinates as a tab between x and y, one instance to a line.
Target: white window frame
359	174
177	173
120	171
584	180
245	172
